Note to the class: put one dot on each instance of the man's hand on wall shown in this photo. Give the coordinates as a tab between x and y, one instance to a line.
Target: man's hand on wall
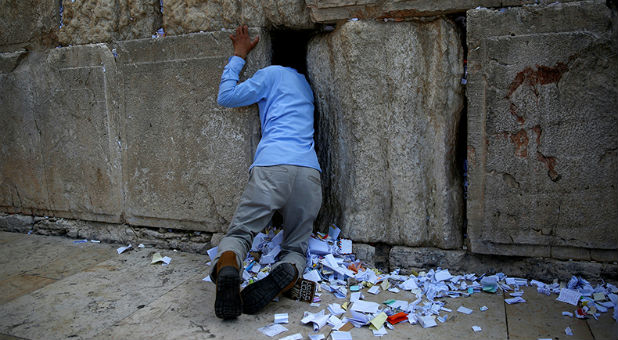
242	43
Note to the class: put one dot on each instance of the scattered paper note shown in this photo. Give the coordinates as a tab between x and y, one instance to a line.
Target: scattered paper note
517	299
339	335
272	329
484	308
568	331
296	336
123	249
569	296
212	253
464	310
476	329
281	318
365	306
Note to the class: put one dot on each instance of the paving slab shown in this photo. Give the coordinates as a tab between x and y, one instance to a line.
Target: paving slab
90	301
187	312
604	328
18	285
541	317
48	256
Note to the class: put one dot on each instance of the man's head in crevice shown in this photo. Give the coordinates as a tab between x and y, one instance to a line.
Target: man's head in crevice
289	48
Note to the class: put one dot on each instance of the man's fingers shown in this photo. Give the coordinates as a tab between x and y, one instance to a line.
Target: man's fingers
238	30
245	30
255	41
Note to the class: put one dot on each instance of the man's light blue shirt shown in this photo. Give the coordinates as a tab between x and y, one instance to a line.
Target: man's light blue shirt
285	100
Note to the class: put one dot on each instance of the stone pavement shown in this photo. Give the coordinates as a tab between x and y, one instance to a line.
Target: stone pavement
53	288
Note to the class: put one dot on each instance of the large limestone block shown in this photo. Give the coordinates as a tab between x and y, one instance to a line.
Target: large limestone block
59	152
180	16
389	101
543	130
324	11
29	23
187	158
88	21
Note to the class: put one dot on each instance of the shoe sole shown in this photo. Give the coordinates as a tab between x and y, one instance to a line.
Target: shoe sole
257	295
228	303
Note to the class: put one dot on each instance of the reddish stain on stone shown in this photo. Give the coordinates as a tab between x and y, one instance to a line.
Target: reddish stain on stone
550	163
513	109
520	140
538	130
543	75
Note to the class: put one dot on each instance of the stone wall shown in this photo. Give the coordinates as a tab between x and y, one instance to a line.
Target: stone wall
121	130
129	132
543	131
389	99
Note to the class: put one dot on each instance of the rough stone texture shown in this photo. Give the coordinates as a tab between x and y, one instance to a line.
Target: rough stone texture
328	11
543	131
389	101
186	158
88	21
181	16
28	23
365	253
461	261
190	241
16	223
60	122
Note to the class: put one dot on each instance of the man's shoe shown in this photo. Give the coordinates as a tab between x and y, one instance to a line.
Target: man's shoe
228	304
257	295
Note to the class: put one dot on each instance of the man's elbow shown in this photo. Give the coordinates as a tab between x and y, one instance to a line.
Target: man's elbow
224	100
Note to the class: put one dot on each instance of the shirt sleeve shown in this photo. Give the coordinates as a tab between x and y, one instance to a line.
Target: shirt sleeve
232	94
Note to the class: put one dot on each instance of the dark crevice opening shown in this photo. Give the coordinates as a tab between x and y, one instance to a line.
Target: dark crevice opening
461	142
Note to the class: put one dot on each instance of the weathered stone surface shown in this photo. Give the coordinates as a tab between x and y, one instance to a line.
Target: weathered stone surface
187	158
16	223
542	130
328	11
59	150
89	21
31	23
365	253
180	16
389	102
460	261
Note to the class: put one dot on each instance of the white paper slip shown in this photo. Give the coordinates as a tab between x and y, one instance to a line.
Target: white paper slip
207	279
212	253
569	296
312	275
476	329
567	314
568	331
374	290
443	275
346	246
394	290
356	296
409	284
316	336
338	335
272	329
514	294
484	308
427	321
296	336
333	232
281	318
318	247
517	299
380	332
335	322
123	249
464	310
365	306
335	309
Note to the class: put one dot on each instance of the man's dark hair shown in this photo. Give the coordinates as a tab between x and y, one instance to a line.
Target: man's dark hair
289	48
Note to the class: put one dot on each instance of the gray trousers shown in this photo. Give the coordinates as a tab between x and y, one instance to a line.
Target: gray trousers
295	192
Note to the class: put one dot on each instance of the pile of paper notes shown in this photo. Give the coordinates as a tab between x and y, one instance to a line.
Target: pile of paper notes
331	264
